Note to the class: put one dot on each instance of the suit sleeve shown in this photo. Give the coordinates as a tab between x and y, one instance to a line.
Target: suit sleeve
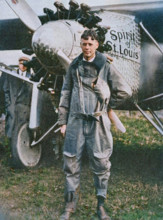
64	105
120	90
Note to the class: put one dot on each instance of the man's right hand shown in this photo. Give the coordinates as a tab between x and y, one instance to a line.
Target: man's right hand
63	130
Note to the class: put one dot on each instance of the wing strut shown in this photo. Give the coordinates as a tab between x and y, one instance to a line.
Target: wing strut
159	126
150	36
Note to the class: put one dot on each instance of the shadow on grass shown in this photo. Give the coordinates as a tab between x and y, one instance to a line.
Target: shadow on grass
140	149
135	159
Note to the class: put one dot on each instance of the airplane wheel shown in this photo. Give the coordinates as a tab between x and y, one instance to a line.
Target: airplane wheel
24	156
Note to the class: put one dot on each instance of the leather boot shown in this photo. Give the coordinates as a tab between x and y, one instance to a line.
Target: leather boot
69	209
102	214
71	202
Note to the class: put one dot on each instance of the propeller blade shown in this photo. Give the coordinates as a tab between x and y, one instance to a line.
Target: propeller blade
25	13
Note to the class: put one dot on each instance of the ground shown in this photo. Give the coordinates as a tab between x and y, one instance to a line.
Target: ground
135	189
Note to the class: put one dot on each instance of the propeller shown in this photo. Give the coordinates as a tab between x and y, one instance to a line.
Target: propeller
53	41
25	13
58	40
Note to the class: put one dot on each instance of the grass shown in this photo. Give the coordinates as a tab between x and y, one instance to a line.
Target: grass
135	190
140	148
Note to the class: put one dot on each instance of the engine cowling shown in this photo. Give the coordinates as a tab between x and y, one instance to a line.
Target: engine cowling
53	36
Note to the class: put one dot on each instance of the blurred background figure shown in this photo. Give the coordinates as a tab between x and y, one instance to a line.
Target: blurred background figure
2	97
17	98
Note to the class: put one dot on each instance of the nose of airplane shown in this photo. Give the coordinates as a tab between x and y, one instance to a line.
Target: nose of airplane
53	36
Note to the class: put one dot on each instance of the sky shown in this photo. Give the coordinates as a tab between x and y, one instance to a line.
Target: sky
6	12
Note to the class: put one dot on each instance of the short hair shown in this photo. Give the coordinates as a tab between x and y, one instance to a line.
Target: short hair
89	33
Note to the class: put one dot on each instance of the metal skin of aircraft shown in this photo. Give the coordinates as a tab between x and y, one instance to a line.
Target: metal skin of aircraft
130	33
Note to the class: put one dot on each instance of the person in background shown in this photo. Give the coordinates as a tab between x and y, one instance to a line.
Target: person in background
17	98
91	87
2	97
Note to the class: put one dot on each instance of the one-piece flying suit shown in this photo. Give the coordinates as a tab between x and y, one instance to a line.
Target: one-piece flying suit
89	89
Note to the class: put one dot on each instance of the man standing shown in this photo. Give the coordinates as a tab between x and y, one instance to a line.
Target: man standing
17	98
92	85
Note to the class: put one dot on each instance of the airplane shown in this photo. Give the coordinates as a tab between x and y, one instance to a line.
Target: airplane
130	34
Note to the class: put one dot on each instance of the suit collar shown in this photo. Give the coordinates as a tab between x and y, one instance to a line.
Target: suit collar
27	74
99	60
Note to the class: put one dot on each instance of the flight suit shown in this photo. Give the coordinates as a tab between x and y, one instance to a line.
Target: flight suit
88	91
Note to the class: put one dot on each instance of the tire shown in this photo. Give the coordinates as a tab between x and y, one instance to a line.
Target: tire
23	155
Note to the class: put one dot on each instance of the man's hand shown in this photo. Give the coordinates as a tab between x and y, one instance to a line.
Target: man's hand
63	130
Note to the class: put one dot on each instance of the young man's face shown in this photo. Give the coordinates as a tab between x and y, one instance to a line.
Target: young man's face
21	66
89	48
